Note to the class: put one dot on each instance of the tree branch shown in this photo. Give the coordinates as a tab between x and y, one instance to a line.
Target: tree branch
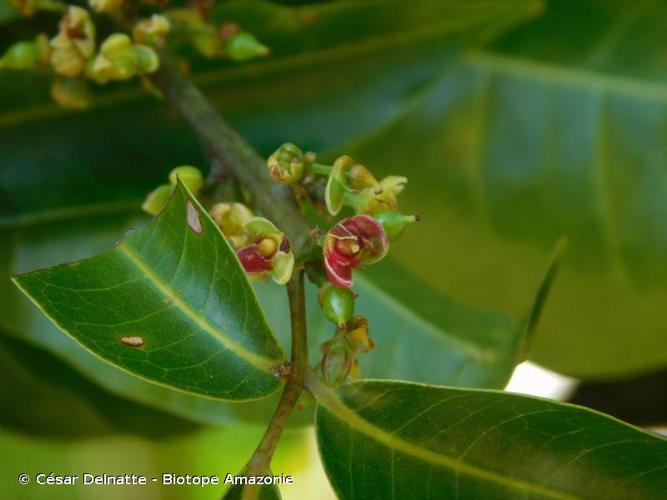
230	152
260	462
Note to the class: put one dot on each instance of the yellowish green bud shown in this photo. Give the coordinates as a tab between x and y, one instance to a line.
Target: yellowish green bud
70	93
189	175
147	58
152	31
21	55
243	46
286	164
157	199
232	217
105	5
394	223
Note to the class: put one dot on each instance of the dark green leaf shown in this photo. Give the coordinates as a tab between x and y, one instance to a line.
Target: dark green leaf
559	129
41	395
170	303
397	440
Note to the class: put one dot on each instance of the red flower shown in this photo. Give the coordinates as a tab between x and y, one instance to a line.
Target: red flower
351	243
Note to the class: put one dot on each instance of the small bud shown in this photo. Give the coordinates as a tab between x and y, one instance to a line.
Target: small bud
336	363
267	247
116	45
70	93
244	46
337	303
286	164
283	266
356	333
157	199
190	176
21	55
231	217
147	59
152	31
394	223
105	5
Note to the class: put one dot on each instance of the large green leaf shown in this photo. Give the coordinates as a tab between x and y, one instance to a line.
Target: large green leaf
170	303
558	129
41	395
398	440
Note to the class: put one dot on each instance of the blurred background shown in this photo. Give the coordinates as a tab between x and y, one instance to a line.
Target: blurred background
517	122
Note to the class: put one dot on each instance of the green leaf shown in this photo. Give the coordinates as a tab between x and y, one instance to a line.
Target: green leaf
558	129
170	304
398	440
43	396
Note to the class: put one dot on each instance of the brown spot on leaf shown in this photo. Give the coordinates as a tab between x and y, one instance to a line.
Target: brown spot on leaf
194	222
132	340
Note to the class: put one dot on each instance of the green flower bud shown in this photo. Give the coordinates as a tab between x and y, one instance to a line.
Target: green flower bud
191	177
283	265
116	45
147	58
286	164
67	62
151	31
105	5
231	218
394	223
157	199
337	303
70	93
21	55
243	46
336	363
356	334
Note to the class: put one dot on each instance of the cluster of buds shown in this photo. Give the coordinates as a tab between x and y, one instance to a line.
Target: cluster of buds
121	59
339	354
74	44
157	199
225	41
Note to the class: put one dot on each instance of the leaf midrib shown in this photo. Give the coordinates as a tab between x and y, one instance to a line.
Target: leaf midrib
260	362
552	73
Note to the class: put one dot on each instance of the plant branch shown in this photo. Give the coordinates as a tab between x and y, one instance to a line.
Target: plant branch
229	152
260	462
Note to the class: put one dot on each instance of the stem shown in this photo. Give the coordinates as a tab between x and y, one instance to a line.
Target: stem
229	153
260	461
232	153
318	168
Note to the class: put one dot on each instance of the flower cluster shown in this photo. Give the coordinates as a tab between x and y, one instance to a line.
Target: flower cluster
75	59
359	240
